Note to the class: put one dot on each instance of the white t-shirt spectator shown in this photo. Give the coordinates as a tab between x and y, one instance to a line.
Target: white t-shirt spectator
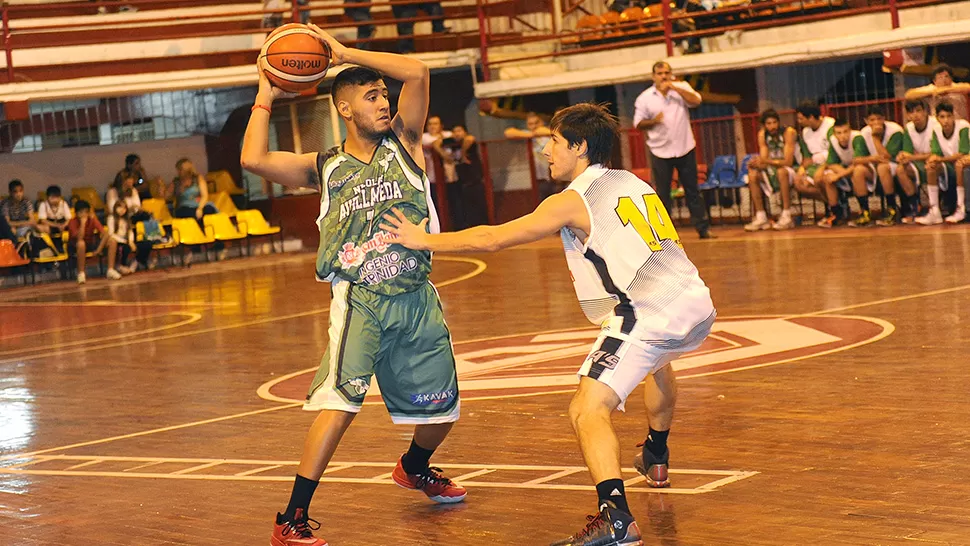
133	201
62	213
427	140
121	232
672	137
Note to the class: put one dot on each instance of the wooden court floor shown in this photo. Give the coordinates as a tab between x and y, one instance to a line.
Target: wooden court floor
831	405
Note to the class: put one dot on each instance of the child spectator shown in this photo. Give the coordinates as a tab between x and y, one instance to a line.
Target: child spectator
18	210
53	215
120	234
85	232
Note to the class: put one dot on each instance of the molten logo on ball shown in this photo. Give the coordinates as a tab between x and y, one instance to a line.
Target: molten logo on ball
300	64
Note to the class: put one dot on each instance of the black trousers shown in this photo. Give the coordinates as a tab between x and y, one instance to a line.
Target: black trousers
360	15
432	9
663	172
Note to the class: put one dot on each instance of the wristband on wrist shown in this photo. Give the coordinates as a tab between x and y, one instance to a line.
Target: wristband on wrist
263	106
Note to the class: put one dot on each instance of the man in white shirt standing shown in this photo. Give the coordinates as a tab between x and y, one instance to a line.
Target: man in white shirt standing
943	89
662	111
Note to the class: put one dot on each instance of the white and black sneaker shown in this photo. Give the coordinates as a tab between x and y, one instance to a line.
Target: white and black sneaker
610	527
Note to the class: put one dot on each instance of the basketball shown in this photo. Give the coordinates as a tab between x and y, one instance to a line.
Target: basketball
295	59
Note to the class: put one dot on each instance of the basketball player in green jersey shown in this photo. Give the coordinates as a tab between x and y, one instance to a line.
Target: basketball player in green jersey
385	316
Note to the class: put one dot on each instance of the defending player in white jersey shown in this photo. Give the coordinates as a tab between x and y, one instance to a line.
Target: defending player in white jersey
632	277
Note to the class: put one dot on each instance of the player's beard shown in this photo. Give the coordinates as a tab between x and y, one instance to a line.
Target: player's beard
367	129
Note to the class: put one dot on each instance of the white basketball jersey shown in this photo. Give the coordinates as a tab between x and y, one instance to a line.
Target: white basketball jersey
632	274
921	141
816	140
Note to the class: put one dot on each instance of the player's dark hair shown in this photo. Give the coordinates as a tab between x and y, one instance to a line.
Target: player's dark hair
809	109
53	191
14	184
81	205
130	160
769	114
353	77
944	106
592	123
913	105
940	68
875	110
841	122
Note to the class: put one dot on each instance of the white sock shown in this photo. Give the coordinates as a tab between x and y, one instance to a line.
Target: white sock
760	216
786	213
934	192
961	197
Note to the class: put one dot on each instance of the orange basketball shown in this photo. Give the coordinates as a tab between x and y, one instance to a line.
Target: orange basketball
295	59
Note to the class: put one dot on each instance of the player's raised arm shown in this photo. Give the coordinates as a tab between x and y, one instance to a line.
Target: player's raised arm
565	209
412	109
287	168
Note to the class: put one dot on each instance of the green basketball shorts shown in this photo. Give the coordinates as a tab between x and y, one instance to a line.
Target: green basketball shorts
403	341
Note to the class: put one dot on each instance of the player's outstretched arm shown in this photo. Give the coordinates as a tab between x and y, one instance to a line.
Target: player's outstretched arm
412	109
289	169
565	209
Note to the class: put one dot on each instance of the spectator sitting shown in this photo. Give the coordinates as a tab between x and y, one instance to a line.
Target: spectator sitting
772	171
120	235
143	185
53	214
406	29
920	128
18	210
85	232
949	144
124	188
943	89
191	192
875	159
361	15
535	128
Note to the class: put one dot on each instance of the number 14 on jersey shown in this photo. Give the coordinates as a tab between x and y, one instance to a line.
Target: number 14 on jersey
654	227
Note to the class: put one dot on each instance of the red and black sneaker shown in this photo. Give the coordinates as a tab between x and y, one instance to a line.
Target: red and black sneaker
654	468
611	527
436	486
296	532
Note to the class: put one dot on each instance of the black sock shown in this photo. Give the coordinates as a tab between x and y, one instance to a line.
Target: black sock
913	203
303	489
863	203
891	201
657	442
416	459
827	209
613	491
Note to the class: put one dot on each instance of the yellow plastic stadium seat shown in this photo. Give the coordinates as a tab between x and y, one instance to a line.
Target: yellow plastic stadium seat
186	232
222	181
140	236
158	209
222	227
253	223
223	203
90	195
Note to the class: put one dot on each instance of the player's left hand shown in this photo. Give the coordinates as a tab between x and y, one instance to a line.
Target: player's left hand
405	233
337	50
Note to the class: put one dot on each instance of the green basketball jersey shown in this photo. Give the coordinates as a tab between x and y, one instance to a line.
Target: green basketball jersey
354	196
776	143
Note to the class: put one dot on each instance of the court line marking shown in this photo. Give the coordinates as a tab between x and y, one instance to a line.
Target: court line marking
86	325
43	351
480	267
722	477
112	303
